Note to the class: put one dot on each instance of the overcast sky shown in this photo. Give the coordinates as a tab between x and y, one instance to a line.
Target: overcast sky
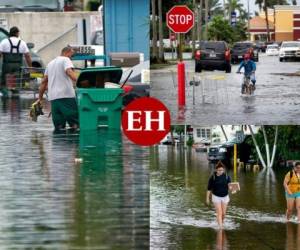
253	7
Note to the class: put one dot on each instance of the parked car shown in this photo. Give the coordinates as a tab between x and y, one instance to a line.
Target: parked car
29	6
261	46
289	50
218	153
224	152
241	48
272	50
213	55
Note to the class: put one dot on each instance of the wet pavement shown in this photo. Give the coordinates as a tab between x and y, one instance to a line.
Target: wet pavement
181	220
217	99
50	201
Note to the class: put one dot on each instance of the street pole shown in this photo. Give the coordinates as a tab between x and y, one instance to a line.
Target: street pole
234	162
206	18
248	19
180	47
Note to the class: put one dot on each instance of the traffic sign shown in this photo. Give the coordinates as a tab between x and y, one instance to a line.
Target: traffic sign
172	37
180	19
233	18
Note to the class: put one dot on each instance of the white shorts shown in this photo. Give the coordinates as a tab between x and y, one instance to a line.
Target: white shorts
217	199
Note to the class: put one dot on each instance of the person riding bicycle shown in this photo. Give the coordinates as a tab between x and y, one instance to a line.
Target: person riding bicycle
249	69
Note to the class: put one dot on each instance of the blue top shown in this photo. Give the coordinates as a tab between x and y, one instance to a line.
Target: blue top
248	66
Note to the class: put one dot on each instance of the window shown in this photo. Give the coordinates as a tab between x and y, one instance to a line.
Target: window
203	133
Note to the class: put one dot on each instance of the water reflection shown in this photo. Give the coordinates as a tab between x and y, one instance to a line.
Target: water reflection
292	236
221	242
48	201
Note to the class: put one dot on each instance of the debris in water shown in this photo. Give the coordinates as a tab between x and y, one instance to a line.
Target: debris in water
78	160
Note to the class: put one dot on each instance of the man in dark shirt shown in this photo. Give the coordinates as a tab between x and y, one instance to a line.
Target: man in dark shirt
217	189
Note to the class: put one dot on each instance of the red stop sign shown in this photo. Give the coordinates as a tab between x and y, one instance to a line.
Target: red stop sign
180	19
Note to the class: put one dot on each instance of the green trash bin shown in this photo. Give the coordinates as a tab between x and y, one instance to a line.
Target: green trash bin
99	106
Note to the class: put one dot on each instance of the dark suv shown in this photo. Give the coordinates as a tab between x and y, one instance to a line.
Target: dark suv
241	48
213	55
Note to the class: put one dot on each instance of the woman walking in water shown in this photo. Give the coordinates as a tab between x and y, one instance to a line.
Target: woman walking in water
291	185
217	191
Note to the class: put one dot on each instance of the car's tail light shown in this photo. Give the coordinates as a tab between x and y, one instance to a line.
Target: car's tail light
127	88
227	55
198	55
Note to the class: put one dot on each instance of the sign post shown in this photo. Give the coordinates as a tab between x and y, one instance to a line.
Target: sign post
233	18
180	19
172	39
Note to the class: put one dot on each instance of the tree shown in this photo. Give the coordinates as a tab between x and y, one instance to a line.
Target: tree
206	18
200	20
154	31
194	29
240	31
219	29
160	32
288	142
215	8
236	5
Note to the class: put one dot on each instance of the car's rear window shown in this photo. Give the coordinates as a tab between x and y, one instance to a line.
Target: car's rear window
214	46
242	45
212	150
272	47
289	45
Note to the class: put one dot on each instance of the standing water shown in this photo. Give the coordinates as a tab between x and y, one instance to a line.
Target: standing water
69	191
181	220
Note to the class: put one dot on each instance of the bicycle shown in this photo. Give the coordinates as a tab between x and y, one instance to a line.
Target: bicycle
247	86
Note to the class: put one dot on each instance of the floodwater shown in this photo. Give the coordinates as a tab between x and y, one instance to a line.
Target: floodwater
49	200
181	220
217	99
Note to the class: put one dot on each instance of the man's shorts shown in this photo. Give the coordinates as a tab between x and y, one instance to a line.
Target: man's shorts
217	199
64	111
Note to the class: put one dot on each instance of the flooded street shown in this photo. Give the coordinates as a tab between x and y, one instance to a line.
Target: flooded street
50	201
181	220
217	99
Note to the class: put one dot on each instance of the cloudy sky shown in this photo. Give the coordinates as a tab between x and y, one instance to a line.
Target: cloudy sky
254	7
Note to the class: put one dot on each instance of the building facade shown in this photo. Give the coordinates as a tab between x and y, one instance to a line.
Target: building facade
284	24
287	22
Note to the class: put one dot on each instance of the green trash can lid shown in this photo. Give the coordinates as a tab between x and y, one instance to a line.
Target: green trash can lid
96	77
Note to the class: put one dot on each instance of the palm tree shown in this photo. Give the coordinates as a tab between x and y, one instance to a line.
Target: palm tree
215	8
206	17
160	32
235	5
194	30
154	30
200	20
